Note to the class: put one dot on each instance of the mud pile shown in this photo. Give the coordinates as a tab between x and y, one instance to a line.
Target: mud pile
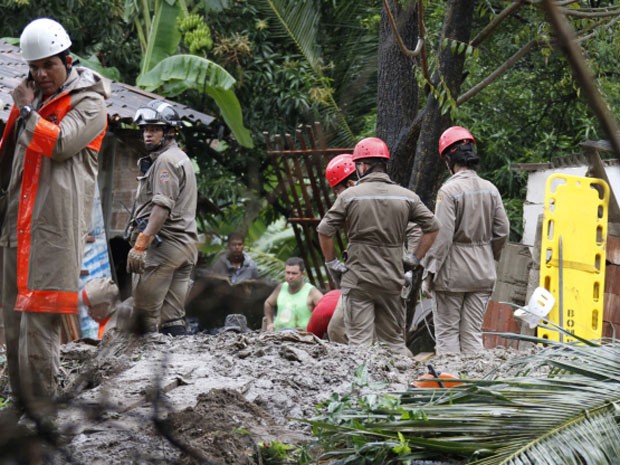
212	399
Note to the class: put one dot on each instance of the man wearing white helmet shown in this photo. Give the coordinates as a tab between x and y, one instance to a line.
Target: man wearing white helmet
48	161
163	230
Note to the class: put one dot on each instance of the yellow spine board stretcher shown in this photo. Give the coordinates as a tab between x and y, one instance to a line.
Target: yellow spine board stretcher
572	261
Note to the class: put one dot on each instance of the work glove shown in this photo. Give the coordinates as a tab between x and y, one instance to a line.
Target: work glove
406	290
336	269
137	255
411	262
427	285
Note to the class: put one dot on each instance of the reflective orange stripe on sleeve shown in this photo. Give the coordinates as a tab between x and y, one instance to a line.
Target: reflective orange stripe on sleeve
47	301
44	137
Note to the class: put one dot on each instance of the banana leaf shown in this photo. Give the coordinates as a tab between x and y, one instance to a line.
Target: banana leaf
179	73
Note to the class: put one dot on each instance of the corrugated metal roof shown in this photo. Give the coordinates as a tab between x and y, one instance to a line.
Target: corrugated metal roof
122	104
577	159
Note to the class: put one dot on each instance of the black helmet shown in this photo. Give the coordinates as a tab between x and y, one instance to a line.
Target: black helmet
157	112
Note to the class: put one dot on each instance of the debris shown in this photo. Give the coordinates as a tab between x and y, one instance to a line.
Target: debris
211	399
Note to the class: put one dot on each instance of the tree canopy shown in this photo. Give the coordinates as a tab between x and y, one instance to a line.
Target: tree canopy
403	70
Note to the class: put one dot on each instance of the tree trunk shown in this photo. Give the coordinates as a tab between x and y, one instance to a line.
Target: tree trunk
412	133
428	169
397	93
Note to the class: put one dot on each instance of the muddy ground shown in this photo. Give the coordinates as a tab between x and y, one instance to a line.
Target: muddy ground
211	399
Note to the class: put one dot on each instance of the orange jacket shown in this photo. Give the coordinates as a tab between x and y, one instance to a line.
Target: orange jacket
51	192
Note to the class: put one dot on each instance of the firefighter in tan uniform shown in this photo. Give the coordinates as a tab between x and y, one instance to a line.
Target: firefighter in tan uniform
376	213
341	174
460	266
163	225
48	164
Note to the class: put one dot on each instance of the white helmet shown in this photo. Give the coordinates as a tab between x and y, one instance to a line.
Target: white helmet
43	38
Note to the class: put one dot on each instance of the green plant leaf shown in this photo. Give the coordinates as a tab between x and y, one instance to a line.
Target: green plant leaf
94	64
299	20
179	73
163	36
566	414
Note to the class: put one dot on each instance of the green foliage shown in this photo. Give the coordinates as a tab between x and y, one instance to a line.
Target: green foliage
170	73
304	57
162	34
279	453
93	63
196	34
259	59
533	113
97	29
567	414
180	73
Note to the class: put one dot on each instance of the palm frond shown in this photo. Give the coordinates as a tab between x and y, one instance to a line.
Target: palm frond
269	266
569	416
299	21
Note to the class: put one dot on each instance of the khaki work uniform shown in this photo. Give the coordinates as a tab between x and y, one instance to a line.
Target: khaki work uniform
48	200
159	293
474	229
376	213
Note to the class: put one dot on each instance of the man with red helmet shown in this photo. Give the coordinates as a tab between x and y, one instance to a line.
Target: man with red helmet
376	212
460	266
327	318
340	172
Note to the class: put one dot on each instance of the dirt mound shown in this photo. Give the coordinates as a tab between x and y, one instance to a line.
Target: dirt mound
222	428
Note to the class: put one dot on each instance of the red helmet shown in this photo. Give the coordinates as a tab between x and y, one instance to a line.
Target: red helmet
339	168
453	135
371	147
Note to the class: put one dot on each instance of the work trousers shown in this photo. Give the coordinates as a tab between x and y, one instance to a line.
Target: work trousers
371	316
159	293
336	331
458	318
32	342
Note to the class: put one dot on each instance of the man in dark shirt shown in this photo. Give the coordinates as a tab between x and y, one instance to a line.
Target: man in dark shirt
235	263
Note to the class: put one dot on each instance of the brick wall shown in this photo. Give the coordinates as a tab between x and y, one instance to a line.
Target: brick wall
117	178
499	319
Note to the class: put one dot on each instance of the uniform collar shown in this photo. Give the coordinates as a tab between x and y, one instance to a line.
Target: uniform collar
464	174
376	177
155	154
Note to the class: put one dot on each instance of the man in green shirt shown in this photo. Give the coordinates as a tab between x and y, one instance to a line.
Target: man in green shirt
294	299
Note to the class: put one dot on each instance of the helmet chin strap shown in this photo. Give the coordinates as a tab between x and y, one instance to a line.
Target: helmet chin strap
371	169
